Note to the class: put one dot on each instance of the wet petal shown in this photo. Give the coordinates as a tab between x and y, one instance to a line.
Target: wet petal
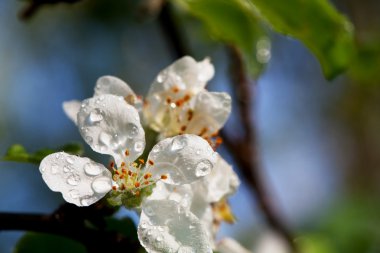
166	226
81	181
229	245
112	126
220	183
71	109
182	159
211	112
112	85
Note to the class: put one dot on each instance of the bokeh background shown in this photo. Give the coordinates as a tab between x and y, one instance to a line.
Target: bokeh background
319	140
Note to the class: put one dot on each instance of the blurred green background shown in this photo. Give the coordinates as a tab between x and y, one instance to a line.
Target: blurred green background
319	140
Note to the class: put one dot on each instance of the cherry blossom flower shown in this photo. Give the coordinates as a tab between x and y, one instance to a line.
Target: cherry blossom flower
177	101
111	126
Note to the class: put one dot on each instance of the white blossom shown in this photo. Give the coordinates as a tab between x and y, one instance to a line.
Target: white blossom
177	101
112	126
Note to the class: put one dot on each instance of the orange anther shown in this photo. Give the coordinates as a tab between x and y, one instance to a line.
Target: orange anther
150	162
112	164
203	131
164	177
114	188
124	171
175	89
126	152
137	184
147	175
129	172
122	164
186	97
123	187
141	161
168	100
117	172
146	182
179	102
183	128
137	193
190	114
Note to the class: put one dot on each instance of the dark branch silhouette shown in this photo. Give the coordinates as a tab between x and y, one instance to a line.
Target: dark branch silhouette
34	5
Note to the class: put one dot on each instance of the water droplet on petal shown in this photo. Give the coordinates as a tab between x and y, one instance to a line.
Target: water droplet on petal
105	139
156	149
73	179
203	168
95	116
160	78
70	160
54	169
101	185
139	146
66	169
198	152
143	225
178	143
74	194
57	155
149	232
132	130
149	211
89	139
92	169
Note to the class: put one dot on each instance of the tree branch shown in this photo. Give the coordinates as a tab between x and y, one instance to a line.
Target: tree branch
70	221
34	5
245	149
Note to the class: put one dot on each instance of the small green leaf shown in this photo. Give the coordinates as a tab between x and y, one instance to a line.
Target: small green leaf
17	153
124	226
46	243
236	23
316	23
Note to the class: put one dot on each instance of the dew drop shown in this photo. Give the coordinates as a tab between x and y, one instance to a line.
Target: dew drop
92	169
89	139
73	179
66	169
156	149
54	169
203	168
74	194
143	225
95	116
42	169
149	232
198	152
149	211
132	130
105	138
85	202
70	160
160	78
178	143
101	185
139	146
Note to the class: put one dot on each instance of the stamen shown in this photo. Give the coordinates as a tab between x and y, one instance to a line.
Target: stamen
186	97
141	161
203	131
122	164
112	164
114	188
164	177
175	89
126	152
183	128
151	162
190	114
147	175
168	100
137	184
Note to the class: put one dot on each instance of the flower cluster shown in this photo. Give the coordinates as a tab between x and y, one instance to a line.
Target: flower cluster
181	188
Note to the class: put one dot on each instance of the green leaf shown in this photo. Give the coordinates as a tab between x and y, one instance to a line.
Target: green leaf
236	23
46	243
316	23
124	226
17	153
315	244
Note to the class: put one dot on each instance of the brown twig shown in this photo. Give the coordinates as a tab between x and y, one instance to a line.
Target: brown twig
34	5
70	221
244	151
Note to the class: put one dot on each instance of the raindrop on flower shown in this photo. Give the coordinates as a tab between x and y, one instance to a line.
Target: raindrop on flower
54	169
203	168
139	146
73	179
95	116
178	143
66	169
92	169
101	185
89	139
70	160
132	130
105	139
143	225
160	78
74	194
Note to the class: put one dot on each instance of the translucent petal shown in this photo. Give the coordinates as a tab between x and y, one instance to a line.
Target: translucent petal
166	226
71	109
112	126
211	112
81	181
229	245
182	159
220	183
112	85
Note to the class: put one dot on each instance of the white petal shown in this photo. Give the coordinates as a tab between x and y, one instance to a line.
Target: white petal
211	112
183	159
229	245
220	183
81	181
186	74
112	85
166	226
110	126
71	108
